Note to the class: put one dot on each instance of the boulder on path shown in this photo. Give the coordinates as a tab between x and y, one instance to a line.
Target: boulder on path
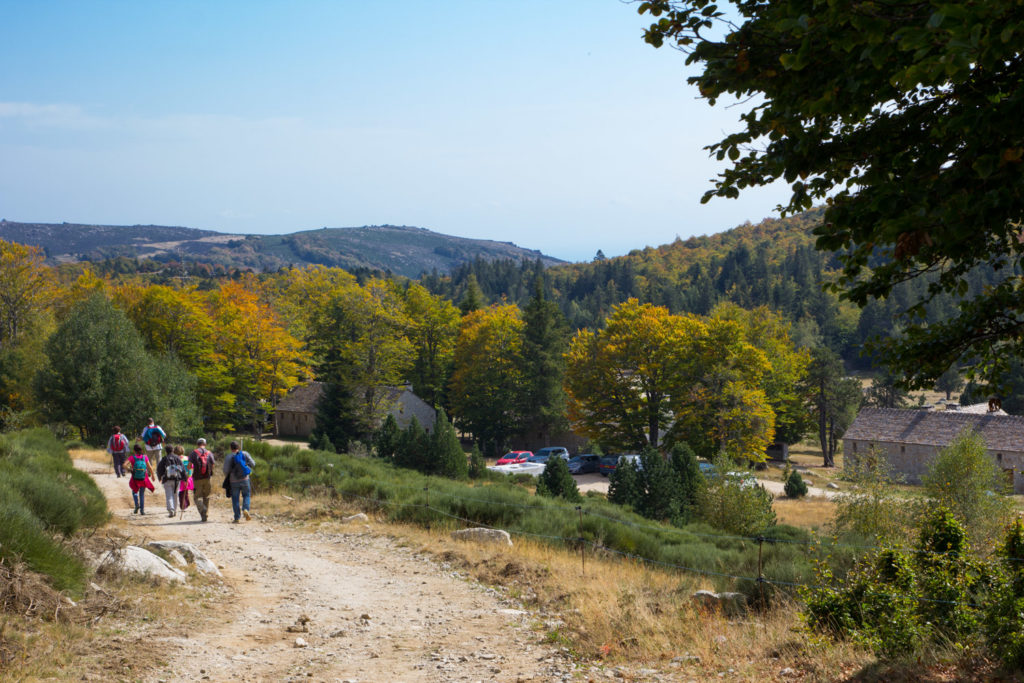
136	560
482	535
190	552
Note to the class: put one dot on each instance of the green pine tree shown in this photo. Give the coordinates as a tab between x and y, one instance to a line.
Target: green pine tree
448	458
556	482
386	438
623	487
477	464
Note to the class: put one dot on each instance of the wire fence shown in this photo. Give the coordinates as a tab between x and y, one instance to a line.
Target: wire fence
582	544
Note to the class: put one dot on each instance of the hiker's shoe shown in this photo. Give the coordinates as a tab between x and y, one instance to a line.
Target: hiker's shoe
142	512
136	510
234	521
246	513
171	513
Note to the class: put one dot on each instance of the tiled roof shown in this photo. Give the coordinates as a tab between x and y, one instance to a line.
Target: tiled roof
302	399
936	428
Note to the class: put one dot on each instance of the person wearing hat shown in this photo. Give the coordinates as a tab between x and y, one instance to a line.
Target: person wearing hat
202	462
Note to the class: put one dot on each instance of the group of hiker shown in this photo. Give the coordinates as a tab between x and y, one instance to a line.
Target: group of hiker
179	474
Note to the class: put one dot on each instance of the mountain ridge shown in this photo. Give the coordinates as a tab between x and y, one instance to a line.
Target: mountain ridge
404	250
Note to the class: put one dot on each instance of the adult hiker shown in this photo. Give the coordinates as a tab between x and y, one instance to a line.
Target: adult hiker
141	471
153	437
202	462
237	467
117	446
171	471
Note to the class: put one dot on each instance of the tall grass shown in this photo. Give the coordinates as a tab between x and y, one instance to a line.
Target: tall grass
44	500
401	495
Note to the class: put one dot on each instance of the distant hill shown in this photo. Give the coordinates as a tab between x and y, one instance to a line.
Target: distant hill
407	251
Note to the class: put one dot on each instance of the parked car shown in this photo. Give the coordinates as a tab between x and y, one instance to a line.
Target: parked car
610	462
708	470
584	464
514	457
548	451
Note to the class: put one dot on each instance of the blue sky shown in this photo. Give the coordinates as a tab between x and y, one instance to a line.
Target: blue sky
548	124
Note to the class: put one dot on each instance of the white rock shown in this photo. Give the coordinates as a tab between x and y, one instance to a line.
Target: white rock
358	517
176	558
135	560
833	485
301	642
482	535
191	553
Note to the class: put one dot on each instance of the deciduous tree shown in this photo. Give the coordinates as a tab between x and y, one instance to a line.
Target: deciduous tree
904	118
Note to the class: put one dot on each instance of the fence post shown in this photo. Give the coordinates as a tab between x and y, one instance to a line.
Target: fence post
426	492
579	531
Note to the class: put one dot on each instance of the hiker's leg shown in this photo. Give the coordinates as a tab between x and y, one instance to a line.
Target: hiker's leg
119	464
135	497
246	492
142	500
170	496
202	494
235	492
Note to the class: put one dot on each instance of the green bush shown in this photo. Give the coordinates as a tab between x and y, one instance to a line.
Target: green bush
795	486
42	497
895	602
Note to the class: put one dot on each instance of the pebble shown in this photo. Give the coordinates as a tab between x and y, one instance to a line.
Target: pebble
301	642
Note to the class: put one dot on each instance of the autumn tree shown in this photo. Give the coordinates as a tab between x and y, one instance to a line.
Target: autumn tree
487	377
650	376
359	339
262	360
619	380
903	117
27	289
433	327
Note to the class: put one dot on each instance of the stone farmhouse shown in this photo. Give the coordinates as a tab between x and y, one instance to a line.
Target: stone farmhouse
296	413
910	439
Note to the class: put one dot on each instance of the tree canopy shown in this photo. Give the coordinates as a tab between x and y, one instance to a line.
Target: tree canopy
903	117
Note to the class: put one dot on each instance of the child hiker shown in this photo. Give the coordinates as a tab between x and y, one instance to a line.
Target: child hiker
141	473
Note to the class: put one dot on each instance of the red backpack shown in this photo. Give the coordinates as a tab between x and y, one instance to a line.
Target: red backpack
202	460
119	444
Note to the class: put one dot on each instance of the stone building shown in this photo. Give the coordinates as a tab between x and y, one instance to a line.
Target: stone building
296	413
910	439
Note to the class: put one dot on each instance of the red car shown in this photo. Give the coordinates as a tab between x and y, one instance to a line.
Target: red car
514	457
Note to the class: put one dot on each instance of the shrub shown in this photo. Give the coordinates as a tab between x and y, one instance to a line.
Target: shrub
556	482
41	495
795	486
964	479
736	505
1003	622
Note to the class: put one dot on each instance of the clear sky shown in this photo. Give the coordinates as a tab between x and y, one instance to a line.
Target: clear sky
548	124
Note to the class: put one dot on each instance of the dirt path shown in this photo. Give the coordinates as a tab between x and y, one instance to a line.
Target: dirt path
377	611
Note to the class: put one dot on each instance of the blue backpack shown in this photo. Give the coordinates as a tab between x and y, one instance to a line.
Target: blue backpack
240	463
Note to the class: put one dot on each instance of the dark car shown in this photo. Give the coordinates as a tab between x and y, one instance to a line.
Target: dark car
584	464
610	462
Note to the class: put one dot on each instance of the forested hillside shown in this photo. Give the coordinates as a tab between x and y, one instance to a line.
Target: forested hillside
403	250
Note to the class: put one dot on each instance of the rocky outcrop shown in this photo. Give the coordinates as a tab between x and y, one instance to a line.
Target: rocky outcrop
135	560
190	553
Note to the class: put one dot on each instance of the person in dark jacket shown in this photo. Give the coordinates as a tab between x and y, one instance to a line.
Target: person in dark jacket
171	471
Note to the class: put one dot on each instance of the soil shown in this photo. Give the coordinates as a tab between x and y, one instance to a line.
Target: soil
366	606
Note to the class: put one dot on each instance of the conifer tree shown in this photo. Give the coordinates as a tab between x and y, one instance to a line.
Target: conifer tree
413	449
545	341
386	438
556	482
623	487
477	464
447	457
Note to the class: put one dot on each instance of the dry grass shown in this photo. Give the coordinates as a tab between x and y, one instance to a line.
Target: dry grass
807	513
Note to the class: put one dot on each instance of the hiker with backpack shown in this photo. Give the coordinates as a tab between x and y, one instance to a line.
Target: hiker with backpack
171	472
117	446
141	470
153	437
202	462
237	468
186	483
